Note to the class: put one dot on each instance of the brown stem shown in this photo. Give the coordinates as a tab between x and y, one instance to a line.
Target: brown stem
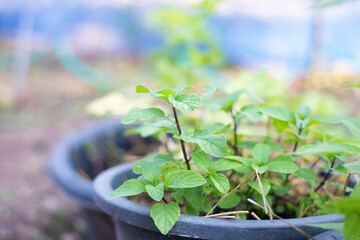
294	150
326	177
314	163
166	202
181	141
346	184
236	151
289	199
297	142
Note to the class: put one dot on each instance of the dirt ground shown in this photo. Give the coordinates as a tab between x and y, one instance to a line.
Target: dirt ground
31	207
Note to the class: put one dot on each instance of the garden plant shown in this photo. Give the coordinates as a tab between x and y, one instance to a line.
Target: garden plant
234	158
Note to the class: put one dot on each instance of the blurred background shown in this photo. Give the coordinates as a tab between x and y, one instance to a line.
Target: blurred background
66	64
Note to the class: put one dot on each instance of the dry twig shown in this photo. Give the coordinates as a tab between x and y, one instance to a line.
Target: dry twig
292	225
255	216
226	217
227	213
226	195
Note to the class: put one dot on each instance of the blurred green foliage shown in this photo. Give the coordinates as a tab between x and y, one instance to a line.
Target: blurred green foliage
190	53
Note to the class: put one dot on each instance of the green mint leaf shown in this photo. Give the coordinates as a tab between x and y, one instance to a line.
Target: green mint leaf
351	225
244	170
137	114
247	144
165	216
328	120
225	164
202	160
214	128
252	111
208	92
341	169
178	195
151	171
156	192
230	201
195	197
279	113
156	159
142	89
343	206
305	173
214	145
224	104
191	211
261	152
276	147
304	135
326	148
188	132
185	102
260	169
353	166
244	160
144	131
265	184
282	164
341	157
162	93
356	191
129	188
301	123
184	179
281	190
303	111
280	126
180	89
221	182
352	124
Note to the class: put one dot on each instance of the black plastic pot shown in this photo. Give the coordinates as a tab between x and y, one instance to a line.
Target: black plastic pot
132	220
71	161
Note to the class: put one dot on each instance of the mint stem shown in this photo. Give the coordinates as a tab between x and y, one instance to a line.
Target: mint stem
297	140
181	141
294	150
236	151
326	177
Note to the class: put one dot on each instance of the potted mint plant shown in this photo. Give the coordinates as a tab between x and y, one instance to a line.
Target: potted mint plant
267	182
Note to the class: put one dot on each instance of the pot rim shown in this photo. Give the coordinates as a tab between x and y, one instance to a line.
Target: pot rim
136	214
61	167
